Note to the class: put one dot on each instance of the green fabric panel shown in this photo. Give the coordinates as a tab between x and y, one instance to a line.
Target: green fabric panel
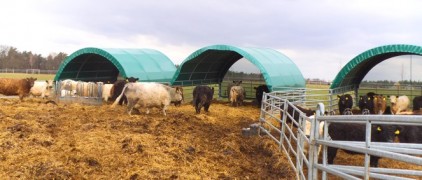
104	64
277	69
357	68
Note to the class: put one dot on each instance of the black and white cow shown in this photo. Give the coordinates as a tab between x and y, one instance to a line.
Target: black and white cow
117	88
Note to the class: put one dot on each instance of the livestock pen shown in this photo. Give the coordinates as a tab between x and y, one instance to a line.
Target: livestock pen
292	139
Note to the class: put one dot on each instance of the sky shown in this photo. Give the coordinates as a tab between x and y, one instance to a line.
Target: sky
319	36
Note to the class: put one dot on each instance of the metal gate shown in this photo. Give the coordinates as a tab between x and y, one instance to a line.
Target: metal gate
88	93
293	140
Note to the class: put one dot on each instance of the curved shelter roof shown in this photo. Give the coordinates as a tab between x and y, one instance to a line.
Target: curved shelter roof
95	64
209	65
353	72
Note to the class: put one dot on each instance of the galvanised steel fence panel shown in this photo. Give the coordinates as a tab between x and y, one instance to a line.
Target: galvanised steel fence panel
293	140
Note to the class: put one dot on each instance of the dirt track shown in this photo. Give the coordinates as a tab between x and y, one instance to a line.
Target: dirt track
72	141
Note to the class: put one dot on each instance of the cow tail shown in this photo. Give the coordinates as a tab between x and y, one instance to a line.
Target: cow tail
120	96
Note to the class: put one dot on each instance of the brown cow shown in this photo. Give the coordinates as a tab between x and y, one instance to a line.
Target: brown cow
20	87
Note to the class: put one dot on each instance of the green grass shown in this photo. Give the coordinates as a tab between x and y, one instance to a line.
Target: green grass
23	75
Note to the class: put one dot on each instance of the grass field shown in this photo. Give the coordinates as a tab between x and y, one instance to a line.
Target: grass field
23	75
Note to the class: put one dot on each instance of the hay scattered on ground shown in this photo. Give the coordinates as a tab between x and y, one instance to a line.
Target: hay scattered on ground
42	140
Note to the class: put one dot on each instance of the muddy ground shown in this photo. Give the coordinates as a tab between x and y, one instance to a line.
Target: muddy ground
73	141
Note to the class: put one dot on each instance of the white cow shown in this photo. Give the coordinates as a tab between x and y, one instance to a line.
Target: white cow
320	110
68	87
399	104
107	91
41	88
147	95
237	95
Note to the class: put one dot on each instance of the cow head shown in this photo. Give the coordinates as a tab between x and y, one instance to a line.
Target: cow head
179	94
30	81
393	99
50	84
383	133
131	79
345	99
237	83
259	91
379	104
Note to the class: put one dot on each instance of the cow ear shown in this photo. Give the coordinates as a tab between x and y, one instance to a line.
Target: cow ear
338	96
255	88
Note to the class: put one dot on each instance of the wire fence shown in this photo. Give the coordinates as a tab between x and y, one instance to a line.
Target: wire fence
28	71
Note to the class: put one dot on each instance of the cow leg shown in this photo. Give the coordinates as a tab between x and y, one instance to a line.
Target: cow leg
164	110
206	106
331	153
130	106
373	162
198	108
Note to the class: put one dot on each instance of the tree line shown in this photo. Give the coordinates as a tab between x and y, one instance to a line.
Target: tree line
11	58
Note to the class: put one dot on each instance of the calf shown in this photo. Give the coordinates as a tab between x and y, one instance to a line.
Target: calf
366	104
356	132
20	87
380	104
259	92
117	88
417	103
230	85
399	104
42	88
147	95
202	96
345	102
237	94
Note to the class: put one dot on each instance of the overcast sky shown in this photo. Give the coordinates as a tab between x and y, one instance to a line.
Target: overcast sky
319	36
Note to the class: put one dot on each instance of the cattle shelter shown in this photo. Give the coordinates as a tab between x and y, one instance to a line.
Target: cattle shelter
108	64
352	74
208	65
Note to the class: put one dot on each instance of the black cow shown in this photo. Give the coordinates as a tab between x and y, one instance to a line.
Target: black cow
202	96
366	103
409	134
417	103
345	101
117	88
293	112
259	91
356	132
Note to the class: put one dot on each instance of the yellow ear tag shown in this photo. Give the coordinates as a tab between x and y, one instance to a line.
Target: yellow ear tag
379	128
127	80
397	132
347	98
369	98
